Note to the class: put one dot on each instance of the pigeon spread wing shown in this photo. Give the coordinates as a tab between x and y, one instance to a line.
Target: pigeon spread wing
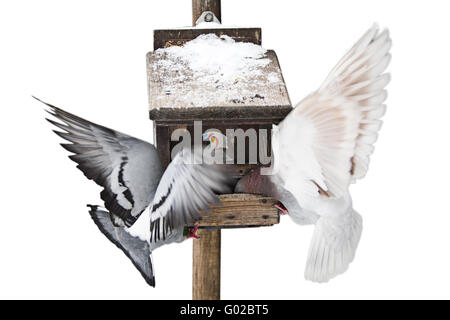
333	130
316	142
360	77
127	168
186	188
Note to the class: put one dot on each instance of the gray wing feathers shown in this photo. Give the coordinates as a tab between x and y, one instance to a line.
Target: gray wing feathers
184	190
138	251
127	168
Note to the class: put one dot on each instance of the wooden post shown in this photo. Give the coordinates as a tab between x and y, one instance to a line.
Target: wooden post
236	211
206	265
200	6
206	250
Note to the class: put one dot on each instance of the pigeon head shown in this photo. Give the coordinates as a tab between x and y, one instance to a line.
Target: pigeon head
217	139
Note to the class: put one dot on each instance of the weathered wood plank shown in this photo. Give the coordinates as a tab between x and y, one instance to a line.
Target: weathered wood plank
163	38
241	210
168	95
250	114
206	265
161	138
200	6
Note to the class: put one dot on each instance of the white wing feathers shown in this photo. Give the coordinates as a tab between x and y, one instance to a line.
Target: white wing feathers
335	121
321	132
333	130
359	77
185	189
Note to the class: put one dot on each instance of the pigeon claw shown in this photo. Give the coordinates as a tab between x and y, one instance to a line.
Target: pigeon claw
193	232
281	208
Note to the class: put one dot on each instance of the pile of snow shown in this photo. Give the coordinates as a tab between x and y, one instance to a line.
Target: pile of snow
231	70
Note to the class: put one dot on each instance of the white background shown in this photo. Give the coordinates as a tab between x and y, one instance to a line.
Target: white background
89	57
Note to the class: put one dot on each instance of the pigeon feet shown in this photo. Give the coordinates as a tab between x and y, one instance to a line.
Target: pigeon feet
281	208
193	232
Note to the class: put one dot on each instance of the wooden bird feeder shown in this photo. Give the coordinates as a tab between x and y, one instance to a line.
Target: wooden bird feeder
253	106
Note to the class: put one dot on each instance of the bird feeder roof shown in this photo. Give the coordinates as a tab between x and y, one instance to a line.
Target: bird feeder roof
214	77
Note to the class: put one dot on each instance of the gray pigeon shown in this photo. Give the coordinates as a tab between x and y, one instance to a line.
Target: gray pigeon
322	147
132	177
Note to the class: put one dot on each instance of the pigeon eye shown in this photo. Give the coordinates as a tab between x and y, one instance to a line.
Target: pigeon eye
213	139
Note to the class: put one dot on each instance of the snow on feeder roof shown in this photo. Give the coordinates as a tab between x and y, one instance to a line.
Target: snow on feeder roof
215	71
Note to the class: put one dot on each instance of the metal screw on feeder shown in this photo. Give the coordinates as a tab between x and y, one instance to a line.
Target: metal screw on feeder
207	16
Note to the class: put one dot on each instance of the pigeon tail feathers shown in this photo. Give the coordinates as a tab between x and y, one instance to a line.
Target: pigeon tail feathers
137	250
333	246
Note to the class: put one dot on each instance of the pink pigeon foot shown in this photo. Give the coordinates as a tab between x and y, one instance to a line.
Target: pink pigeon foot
283	210
193	232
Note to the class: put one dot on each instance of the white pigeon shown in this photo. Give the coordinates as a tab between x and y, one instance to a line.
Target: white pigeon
324	145
131	173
